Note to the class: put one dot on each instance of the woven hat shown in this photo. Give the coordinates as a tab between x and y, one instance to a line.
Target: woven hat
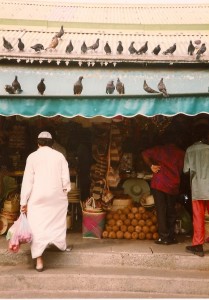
136	188
3	225
44	135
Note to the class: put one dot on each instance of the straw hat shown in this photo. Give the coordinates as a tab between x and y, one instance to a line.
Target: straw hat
136	188
3	225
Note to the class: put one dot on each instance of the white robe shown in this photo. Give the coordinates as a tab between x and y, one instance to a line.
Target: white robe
45	177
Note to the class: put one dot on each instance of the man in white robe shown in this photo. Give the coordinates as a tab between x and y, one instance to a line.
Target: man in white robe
45	185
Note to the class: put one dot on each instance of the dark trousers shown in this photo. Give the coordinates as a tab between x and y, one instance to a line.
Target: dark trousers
166	213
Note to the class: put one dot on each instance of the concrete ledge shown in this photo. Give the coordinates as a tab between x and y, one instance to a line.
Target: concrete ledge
103	279
112	253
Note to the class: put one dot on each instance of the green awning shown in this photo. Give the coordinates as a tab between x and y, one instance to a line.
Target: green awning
107	106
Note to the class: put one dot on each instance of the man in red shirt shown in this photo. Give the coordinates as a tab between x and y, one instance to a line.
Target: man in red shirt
166	162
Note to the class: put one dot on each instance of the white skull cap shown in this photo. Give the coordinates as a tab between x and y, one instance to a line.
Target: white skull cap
44	135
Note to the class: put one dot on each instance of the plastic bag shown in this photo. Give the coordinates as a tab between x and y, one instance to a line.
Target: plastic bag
19	233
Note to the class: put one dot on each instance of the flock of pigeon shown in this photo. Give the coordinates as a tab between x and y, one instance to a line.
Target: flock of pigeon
15	87
132	50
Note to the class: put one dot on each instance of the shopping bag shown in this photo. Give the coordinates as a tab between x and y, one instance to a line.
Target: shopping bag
19	233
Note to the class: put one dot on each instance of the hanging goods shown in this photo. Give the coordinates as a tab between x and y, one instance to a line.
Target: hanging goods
112	177
97	190
107	198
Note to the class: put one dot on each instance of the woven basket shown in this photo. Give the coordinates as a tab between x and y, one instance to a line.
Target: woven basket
120	204
93	224
11	206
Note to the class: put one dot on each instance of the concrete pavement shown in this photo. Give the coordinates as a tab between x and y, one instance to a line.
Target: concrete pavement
106	268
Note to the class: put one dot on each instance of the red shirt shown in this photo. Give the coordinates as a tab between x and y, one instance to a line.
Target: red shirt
171	160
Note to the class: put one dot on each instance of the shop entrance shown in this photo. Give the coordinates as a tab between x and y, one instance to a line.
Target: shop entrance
86	142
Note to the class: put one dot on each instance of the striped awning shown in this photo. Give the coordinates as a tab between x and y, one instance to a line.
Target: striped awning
106	106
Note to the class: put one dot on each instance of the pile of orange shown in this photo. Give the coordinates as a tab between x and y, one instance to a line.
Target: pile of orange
131	223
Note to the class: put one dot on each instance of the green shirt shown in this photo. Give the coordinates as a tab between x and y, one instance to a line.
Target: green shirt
197	162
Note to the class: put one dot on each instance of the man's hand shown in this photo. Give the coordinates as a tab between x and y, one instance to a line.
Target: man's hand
155	168
23	208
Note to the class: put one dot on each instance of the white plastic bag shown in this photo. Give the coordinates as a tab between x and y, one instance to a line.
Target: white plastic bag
19	233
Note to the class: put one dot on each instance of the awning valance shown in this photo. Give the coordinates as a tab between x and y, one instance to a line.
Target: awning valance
107	106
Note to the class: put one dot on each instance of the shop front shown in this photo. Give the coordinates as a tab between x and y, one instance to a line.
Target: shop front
112	130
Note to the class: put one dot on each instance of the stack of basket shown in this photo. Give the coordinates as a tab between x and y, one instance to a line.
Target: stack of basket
11	209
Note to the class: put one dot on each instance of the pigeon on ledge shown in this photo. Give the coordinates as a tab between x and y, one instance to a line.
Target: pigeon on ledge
20	45
191	48
7	45
41	87
148	89
60	33
170	50
201	51
110	87
132	49
38	47
16	85
162	88
54	43
120	48
107	48
9	89
78	86
83	48
143	49
120	87
94	46
156	50
69	48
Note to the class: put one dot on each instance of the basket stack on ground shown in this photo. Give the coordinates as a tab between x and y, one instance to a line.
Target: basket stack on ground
11	209
131	223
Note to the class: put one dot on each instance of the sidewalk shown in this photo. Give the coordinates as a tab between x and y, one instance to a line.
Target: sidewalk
101	246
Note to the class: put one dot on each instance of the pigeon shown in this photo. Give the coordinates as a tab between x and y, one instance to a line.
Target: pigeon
162	88
156	50
7	44
38	47
54	43
143	49
16	85
191	48
110	87
83	48
20	45
9	89
132	49
78	87
201	51
107	48
41	86
69	48
120	48
60	33
120	87
94	46
148	89
170	50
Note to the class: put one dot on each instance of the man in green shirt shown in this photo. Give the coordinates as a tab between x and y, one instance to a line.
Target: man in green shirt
197	163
